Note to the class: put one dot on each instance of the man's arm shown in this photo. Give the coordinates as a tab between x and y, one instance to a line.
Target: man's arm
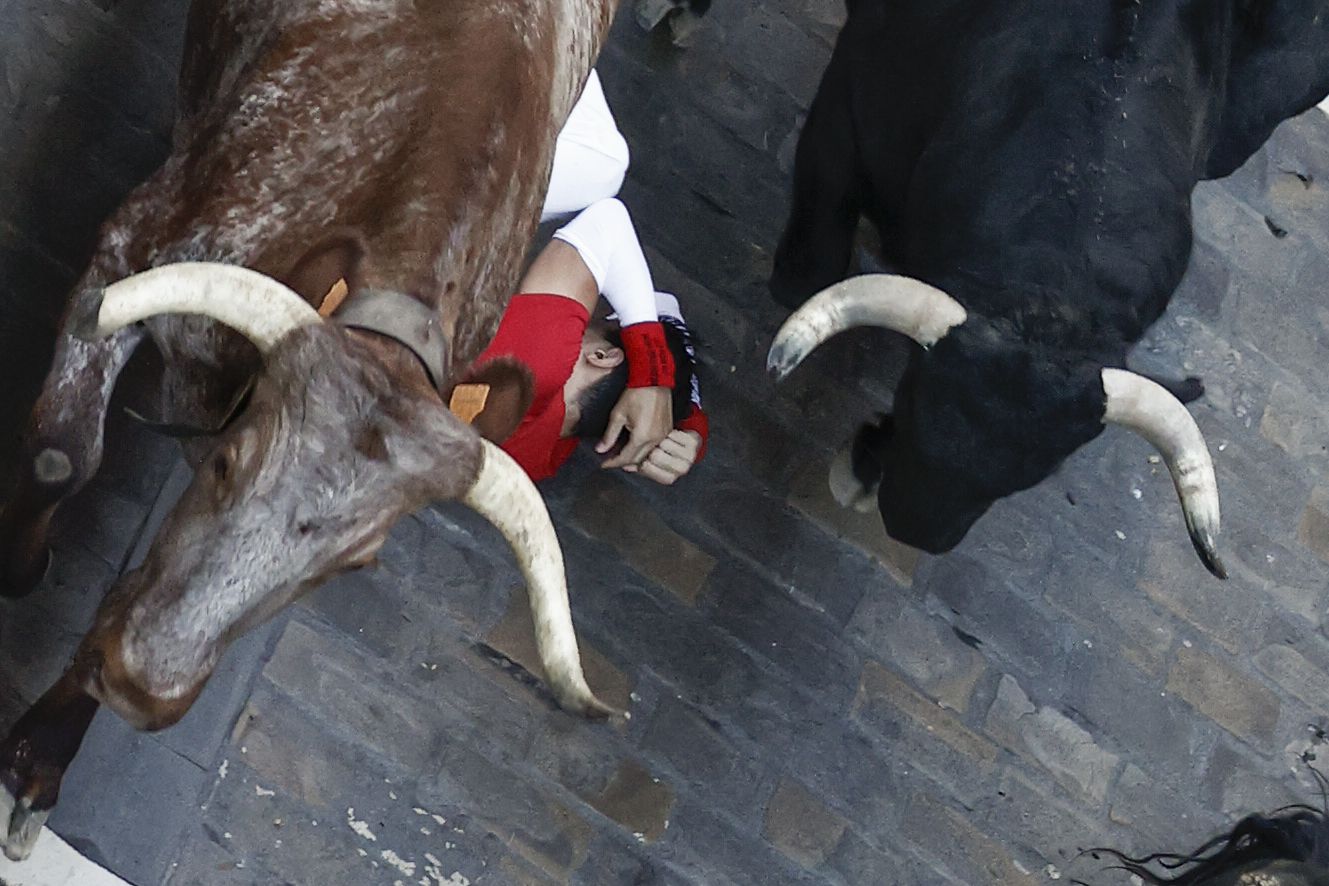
685	446
606	241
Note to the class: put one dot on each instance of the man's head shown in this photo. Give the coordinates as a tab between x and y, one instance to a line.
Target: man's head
601	376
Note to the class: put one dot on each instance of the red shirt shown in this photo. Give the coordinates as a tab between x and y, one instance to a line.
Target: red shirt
544	332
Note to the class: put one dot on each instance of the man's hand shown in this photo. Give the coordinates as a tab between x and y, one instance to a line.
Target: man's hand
647	415
673	458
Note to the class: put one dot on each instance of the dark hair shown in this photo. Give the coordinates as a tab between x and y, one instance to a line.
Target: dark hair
1297	833
598	401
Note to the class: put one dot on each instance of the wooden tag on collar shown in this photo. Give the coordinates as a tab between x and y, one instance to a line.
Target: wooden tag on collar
468	401
332	301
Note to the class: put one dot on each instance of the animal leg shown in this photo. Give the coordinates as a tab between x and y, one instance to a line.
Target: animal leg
818	240
33	760
63	449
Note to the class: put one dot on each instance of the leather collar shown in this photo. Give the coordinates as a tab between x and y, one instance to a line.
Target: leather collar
399	317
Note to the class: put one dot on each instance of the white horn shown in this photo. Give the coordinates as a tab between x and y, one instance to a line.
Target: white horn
1146	407
249	302
903	304
506	497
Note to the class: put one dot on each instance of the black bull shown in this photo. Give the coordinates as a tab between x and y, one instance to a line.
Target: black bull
1033	160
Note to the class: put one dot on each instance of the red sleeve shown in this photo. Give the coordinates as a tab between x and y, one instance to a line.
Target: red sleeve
697	422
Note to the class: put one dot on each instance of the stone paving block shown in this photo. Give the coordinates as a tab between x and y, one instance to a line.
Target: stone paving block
713	246
1006	625
765	448
812	496
252	832
767	34
408	717
784	631
1238	703
315	668
639	801
1028	811
514	637
1290	670
285	751
919	734
701	664
966	852
1057	743
609	863
1295	421
126	800
328	800
1152	804
724	96
1314	529
1269	559
925	648
607	509
720	769
1107	610
858	862
1129	713
539	826
1239	783
799	824
1234	621
771	538
443	559
720	852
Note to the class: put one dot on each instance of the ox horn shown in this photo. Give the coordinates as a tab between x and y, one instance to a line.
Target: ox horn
1145	407
251	303
903	304
506	497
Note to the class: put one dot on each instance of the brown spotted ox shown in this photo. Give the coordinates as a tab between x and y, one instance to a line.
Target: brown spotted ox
403	147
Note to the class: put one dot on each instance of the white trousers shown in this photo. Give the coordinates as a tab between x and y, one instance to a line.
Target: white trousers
590	157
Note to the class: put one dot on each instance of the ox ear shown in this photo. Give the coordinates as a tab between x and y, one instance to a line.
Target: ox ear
510	391
338	256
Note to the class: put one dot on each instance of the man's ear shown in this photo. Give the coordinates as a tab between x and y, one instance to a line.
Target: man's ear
338	256
604	356
511	388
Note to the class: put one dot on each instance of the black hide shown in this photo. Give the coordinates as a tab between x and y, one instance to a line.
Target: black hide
1034	159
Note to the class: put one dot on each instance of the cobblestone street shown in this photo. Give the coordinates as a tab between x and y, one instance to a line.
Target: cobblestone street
810	702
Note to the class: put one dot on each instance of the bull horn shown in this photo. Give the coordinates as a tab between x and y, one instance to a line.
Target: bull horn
506	497
1145	407
903	304
253	304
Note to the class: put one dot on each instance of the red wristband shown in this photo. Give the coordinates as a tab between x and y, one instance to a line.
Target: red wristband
650	365
697	422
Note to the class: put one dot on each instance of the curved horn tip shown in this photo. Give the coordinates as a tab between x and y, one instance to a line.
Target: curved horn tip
1207	550
585	704
780	361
